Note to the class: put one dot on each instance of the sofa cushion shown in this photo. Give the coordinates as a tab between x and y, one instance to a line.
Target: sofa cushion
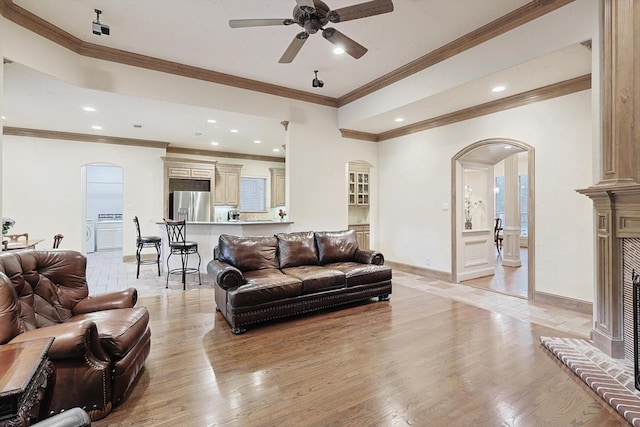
296	249
119	329
316	278
262	286
360	274
336	246
248	253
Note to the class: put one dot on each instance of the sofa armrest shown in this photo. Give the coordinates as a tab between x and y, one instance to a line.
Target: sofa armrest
225	275
368	257
126	298
71	340
74	417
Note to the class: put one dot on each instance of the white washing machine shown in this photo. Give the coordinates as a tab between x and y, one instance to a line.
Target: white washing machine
91	235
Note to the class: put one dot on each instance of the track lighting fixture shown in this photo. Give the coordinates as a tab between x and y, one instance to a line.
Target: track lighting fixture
98	28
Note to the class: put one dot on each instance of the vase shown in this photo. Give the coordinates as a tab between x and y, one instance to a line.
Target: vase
468	225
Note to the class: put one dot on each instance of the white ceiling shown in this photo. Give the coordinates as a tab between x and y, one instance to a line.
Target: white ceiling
196	32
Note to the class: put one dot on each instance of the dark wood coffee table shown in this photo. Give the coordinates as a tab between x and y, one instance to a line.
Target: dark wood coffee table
27	378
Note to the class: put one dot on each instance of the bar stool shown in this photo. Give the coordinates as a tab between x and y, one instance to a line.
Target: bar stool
146	242
56	240
178	245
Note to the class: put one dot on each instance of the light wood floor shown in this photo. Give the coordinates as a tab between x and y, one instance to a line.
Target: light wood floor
507	280
418	360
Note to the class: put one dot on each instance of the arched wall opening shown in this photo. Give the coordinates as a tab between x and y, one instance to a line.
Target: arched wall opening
472	249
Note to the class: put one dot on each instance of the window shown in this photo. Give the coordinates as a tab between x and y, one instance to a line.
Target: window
523	187
253	194
499	190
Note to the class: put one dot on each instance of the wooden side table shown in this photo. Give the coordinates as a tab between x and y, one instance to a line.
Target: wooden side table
27	378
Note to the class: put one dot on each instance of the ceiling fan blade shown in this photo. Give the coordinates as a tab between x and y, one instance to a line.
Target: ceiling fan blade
294	48
242	23
349	45
362	10
306	5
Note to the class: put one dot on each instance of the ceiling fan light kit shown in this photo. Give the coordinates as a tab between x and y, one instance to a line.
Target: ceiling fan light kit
313	16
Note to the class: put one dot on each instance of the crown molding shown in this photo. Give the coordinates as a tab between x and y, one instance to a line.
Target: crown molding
356	134
101	139
35	24
224	154
520	16
508	22
83	137
555	90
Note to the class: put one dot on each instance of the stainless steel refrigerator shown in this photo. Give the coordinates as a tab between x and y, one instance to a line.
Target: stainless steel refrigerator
191	205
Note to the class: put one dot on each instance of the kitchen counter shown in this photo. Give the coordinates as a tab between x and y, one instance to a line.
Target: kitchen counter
206	234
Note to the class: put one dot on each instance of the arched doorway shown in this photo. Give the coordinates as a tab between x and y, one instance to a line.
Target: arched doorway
103	191
472	249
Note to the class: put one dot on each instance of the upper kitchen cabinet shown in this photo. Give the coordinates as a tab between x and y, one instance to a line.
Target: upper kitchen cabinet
358	185
189	169
187	175
227	184
278	187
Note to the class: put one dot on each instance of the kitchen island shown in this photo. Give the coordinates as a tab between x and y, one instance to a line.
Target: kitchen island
206	234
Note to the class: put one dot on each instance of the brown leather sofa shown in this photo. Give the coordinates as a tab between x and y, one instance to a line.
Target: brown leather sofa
262	278
100	342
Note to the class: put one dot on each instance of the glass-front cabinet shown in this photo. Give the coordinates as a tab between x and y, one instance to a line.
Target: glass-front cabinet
358	187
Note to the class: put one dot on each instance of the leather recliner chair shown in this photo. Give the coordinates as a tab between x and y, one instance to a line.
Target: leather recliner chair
100	342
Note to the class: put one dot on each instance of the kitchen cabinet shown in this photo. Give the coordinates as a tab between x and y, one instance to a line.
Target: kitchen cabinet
358	186
182	174
278	187
362	234
227	185
189	173
109	235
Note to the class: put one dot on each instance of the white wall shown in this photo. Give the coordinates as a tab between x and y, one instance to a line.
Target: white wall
415	174
42	187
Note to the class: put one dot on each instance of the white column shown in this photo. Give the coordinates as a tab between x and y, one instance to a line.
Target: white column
511	233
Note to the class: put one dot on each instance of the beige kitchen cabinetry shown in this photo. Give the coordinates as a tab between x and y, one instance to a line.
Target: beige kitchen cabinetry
189	173
362	234
182	174
358	186
278	187
227	188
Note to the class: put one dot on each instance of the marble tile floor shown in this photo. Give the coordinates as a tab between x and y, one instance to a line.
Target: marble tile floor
107	272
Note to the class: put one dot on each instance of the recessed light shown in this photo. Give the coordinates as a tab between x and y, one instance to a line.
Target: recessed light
507	147
275	150
257	141
214	143
90	109
398	120
338	51
96	127
234	131
498	88
4	117
211	121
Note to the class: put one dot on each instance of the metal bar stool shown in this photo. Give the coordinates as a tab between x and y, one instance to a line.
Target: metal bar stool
178	245
146	242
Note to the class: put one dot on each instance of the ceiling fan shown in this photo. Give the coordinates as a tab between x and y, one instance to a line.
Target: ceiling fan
313	15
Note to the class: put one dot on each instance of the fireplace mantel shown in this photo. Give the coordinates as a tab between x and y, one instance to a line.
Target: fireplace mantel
618	201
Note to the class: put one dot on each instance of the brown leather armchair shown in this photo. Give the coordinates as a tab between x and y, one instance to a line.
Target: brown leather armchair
101	342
